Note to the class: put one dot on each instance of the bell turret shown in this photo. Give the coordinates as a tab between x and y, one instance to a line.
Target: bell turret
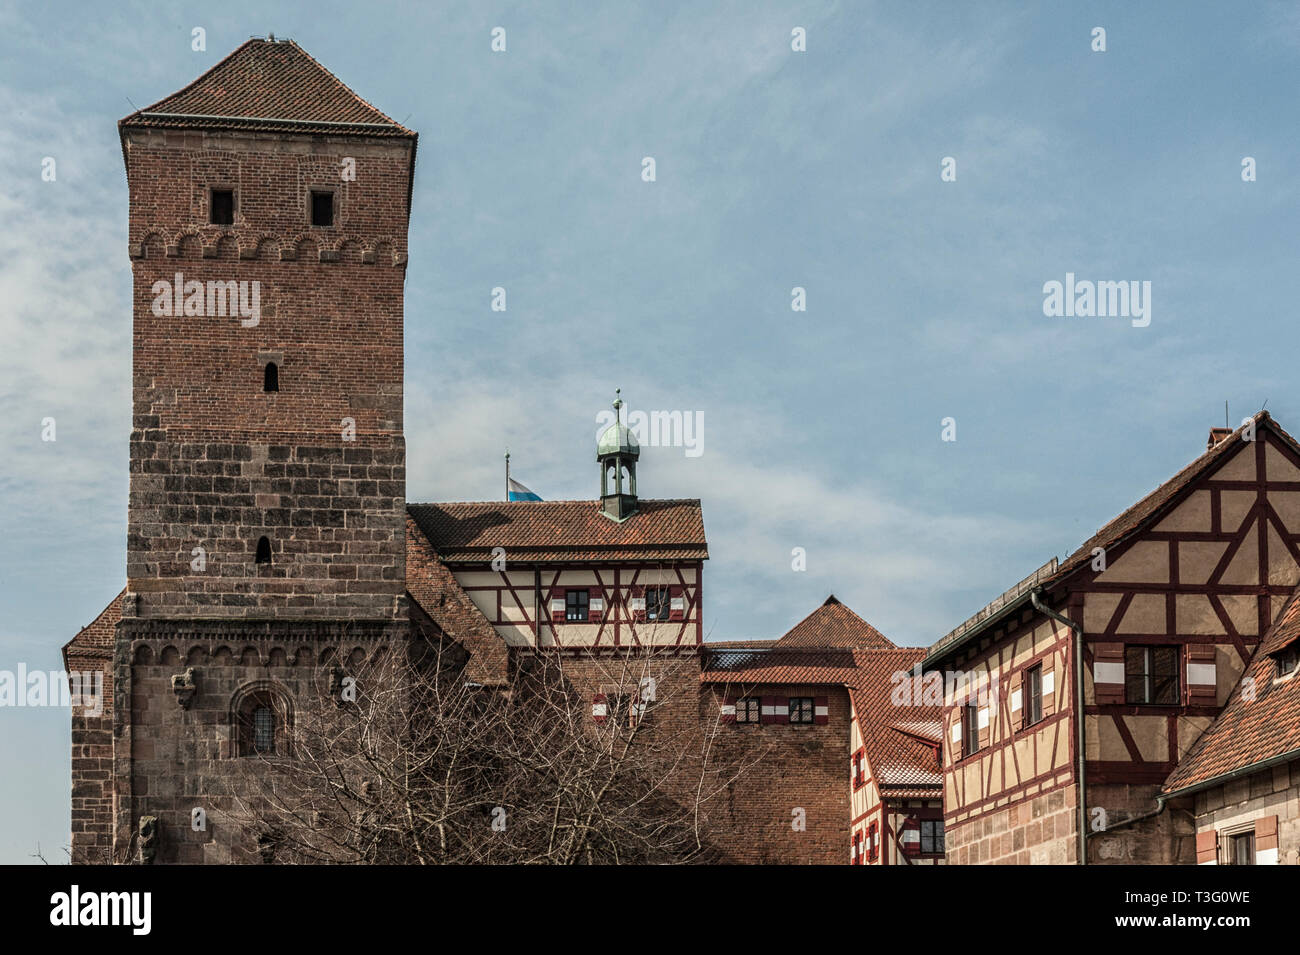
617	452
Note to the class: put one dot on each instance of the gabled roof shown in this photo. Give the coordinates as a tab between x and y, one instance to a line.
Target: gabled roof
1154	504
562	531
268	85
434	588
1260	721
834	625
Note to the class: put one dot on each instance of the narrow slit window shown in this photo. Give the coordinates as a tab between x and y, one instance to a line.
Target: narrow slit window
271	377
1034	695
263	551
322	208
223	207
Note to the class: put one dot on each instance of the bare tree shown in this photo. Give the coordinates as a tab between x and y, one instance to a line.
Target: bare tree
405	762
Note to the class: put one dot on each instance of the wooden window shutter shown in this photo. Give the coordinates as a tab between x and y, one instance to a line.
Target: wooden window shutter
637	603
1266	844
1202	675
1207	847
955	742
677	603
599	708
984	715
595	604
873	842
821	710
909	837
1108	673
1049	685
1018	707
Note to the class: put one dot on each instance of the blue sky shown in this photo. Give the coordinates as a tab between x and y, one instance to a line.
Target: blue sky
775	169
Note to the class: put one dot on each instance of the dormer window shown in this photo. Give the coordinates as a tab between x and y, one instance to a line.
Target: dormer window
322	208
222	207
1288	659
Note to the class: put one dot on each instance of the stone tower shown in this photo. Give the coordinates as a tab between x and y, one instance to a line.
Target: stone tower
266	522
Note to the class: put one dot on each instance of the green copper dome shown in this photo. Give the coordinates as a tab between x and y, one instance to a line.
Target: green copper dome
618	437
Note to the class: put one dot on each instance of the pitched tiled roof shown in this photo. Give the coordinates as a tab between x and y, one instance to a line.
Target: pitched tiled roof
434	587
777	665
834	625
892	725
562	531
268	85
1249	731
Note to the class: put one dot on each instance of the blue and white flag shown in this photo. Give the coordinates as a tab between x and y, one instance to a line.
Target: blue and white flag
520	493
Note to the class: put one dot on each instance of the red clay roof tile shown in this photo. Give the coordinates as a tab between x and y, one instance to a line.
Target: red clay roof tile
562	531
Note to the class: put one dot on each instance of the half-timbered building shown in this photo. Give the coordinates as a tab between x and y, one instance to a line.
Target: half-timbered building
1073	697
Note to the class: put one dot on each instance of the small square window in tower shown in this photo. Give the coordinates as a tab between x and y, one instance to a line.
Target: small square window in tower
322	208
222	207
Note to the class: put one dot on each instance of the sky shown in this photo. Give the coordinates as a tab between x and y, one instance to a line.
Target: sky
820	169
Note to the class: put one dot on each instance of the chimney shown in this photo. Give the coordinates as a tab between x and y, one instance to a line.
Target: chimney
1217	435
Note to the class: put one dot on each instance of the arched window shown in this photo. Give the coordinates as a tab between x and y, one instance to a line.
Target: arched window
262	717
271	377
263	550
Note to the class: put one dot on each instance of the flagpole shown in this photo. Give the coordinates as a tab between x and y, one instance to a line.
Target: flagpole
507	474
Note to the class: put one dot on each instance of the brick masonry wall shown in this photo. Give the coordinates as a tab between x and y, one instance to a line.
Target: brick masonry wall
789	767
90	652
215	461
1037	831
